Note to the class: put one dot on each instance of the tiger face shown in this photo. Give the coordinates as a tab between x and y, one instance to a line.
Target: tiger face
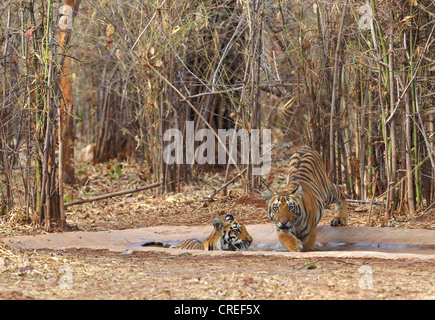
227	235
284	208
230	235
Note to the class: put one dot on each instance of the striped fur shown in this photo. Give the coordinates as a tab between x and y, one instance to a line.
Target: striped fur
228	235
298	208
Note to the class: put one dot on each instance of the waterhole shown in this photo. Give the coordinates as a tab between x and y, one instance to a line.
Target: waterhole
329	239
336	246
347	246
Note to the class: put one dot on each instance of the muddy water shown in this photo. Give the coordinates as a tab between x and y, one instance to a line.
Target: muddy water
387	240
335	246
381	247
346	246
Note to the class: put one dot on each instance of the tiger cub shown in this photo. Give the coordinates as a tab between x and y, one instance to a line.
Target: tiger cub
228	235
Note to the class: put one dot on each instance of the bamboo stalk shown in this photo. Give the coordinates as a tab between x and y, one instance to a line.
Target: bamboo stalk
196	111
408	157
393	142
363	142
413	98
334	98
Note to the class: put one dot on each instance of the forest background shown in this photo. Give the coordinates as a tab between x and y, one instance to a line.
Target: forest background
352	79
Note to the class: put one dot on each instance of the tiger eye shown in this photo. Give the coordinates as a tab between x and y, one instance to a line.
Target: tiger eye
275	207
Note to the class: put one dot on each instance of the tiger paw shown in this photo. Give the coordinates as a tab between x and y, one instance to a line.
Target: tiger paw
335	222
341	215
299	246
290	242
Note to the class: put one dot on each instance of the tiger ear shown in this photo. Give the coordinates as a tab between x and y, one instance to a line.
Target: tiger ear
218	224
267	194
229	217
298	192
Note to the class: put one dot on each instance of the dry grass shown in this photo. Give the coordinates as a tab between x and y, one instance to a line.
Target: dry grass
83	274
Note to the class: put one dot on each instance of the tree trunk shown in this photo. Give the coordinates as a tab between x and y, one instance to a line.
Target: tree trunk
70	9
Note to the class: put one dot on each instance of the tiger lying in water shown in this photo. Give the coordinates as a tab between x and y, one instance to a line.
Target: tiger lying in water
228	235
298	207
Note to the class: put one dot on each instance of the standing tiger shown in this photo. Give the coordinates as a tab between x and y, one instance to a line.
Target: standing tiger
228	235
298	207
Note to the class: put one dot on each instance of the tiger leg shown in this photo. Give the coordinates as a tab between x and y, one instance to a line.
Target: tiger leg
289	241
341	214
336	196
308	242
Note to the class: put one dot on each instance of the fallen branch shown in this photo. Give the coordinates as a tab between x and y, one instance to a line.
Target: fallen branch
113	194
366	202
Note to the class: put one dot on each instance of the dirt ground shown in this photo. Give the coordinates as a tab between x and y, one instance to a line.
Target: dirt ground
101	274
159	274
